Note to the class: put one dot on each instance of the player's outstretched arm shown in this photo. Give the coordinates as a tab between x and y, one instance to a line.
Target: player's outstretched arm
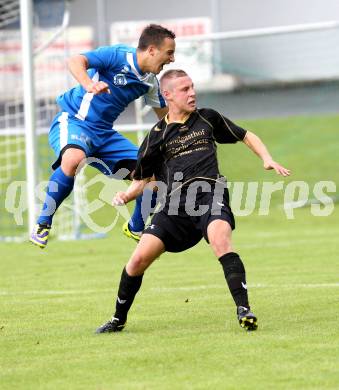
259	148
78	66
133	191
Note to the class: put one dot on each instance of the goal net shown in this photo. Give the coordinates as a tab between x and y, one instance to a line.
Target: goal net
53	42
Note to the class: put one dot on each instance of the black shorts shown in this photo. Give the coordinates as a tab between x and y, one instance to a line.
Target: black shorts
183	231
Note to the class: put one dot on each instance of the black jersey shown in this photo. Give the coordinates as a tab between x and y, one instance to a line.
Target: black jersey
187	148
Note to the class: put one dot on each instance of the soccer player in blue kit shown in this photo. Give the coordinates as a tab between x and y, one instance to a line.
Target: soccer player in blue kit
109	79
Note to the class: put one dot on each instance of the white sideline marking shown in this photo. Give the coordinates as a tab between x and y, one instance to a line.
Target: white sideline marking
52	292
167	289
304	233
282	244
259	285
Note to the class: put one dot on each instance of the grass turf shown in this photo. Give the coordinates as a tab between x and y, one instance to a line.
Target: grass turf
182	331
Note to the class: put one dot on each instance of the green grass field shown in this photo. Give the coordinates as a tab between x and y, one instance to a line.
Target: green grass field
182	331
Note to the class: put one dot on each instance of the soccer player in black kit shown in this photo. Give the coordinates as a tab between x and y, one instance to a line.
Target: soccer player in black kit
181	150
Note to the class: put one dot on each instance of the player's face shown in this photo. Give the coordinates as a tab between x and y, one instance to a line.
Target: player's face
162	55
182	95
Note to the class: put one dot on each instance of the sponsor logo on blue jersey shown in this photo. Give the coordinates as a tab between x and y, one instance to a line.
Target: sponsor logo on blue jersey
119	80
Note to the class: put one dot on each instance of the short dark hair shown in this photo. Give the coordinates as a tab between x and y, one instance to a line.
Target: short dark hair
154	34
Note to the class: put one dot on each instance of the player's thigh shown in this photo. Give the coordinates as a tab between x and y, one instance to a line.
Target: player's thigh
217	225
177	232
219	233
65	131
148	249
115	153
67	134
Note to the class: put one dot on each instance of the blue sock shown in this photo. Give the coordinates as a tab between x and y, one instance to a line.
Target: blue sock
58	188
144	204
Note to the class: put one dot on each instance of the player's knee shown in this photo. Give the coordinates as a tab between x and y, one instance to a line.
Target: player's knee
138	264
72	161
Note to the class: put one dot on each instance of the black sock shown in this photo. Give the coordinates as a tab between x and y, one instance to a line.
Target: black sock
129	286
236	278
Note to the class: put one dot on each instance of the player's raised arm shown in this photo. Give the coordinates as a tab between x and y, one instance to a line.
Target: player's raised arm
78	65
259	148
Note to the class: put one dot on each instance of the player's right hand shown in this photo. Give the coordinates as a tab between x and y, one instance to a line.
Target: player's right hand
120	199
277	167
98	87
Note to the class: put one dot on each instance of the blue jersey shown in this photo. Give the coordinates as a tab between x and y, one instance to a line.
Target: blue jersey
117	66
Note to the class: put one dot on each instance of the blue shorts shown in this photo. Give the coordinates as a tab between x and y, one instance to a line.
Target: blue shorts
108	146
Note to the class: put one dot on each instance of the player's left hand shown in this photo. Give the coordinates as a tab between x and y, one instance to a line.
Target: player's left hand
277	167
98	87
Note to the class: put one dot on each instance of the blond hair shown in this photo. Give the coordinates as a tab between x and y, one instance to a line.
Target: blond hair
171	74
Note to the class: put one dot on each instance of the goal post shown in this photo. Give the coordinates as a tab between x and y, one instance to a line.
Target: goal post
32	73
29	107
